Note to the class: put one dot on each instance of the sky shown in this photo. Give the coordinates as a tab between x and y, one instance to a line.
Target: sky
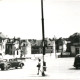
22	18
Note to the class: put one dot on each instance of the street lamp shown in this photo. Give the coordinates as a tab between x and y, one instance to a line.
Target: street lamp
43	39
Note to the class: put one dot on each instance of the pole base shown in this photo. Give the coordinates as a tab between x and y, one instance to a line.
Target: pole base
43	74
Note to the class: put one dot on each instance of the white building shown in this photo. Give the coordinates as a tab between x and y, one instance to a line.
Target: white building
3	41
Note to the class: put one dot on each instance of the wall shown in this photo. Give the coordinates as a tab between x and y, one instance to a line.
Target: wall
73	52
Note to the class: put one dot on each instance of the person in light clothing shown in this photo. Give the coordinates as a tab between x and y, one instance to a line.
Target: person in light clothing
39	65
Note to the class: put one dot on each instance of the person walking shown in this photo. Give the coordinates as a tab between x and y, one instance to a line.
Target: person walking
39	65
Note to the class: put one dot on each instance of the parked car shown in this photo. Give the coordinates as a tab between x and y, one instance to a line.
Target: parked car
4	64
11	63
77	61
16	63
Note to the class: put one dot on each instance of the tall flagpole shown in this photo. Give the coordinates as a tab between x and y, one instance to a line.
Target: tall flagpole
43	37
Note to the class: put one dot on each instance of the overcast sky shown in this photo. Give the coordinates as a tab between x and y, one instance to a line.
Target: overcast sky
22	18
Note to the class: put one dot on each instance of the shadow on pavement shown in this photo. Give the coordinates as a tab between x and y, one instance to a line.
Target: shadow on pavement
10	69
74	69
35	75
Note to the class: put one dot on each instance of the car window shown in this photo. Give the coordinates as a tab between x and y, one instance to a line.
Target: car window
15	59
4	60
10	59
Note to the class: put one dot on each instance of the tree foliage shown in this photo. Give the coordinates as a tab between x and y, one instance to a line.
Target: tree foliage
75	38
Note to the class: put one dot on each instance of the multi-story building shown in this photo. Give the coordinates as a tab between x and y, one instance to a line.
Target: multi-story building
12	47
75	49
3	40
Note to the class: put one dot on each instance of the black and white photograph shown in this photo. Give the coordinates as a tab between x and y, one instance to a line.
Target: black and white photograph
40	39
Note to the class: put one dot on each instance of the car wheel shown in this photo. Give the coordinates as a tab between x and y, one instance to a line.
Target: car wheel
21	65
15	67
76	67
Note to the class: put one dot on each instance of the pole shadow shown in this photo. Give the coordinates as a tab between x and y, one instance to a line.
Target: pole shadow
35	75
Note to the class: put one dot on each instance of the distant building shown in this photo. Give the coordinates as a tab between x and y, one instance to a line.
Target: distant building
75	49
23	48
74	45
9	47
37	48
16	48
12	47
3	40
61	45
28	49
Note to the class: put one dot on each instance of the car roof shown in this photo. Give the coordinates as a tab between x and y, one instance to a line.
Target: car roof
77	55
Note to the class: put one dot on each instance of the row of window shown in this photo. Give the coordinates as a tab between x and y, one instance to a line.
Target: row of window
37	52
49	47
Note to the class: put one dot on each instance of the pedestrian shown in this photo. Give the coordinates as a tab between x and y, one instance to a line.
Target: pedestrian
39	65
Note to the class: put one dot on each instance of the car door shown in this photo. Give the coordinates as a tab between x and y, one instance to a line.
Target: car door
12	62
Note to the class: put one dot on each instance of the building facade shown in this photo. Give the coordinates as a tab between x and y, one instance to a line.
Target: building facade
75	49
3	40
38	49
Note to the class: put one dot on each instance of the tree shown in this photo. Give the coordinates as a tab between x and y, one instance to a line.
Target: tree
75	38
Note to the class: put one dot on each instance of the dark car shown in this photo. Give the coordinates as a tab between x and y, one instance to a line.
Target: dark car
16	63
4	64
77	61
12	63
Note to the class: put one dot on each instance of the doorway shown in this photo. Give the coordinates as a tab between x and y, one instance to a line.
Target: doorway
77	50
